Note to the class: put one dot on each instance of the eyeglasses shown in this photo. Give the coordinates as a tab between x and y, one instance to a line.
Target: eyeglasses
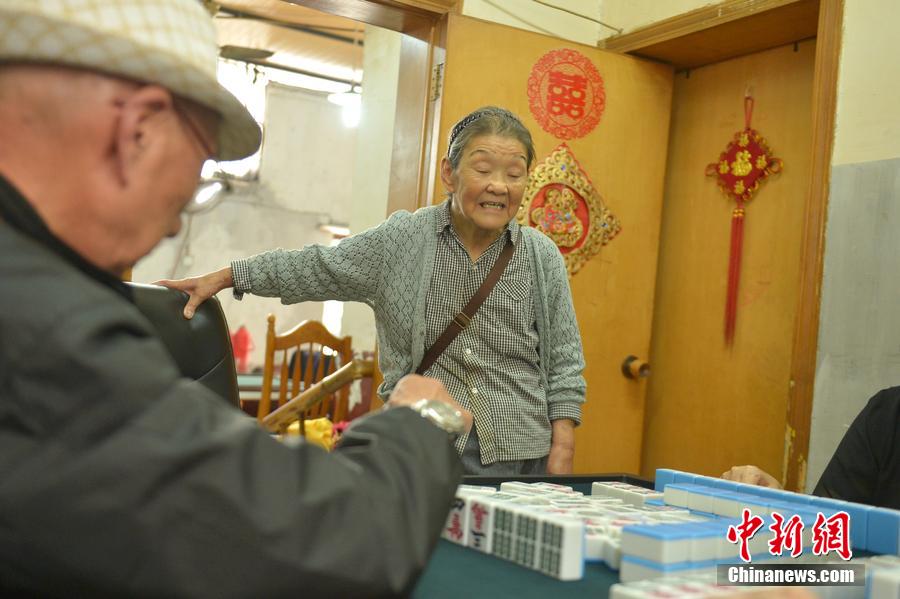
192	126
184	116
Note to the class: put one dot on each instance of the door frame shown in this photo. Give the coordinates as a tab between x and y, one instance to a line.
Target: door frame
412	17
417	113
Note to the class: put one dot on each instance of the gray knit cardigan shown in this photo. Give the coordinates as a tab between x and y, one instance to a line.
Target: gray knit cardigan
389	267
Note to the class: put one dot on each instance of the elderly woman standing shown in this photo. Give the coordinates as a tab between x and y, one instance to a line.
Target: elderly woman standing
517	364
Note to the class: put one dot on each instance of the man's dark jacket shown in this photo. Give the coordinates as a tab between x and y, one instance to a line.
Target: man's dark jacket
865	468
119	478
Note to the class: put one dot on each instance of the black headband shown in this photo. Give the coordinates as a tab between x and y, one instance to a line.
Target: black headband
458	127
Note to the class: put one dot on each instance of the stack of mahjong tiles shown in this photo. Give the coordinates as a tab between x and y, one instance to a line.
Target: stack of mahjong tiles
553	528
520	524
882	582
883	577
651	550
693	585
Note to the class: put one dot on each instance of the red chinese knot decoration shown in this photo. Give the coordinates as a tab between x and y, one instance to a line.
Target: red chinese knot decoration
745	163
561	202
565	93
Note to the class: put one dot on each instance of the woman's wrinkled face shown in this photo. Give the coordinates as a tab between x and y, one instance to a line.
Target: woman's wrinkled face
488	184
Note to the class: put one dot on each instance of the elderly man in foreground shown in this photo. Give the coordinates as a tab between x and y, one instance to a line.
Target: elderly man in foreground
118	477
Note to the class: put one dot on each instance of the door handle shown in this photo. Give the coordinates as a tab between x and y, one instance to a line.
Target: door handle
635	368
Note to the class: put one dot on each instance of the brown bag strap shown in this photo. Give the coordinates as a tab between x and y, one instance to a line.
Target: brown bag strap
465	316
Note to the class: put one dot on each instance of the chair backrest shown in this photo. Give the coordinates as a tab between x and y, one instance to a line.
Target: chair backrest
201	346
300	358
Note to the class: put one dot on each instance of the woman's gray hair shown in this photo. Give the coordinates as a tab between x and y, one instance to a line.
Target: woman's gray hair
488	120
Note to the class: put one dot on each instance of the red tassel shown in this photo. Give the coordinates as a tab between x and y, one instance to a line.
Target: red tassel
734	271
748	110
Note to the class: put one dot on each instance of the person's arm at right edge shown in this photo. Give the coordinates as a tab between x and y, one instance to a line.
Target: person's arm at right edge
751	475
852	472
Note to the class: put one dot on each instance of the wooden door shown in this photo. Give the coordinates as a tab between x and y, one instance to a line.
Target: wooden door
709	406
625	157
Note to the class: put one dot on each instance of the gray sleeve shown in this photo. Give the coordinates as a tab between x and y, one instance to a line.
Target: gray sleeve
240	278
349	271
125	480
566	358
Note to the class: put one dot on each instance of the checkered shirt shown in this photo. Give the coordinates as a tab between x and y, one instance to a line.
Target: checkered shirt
492	368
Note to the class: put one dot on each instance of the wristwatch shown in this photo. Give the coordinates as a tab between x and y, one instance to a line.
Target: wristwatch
442	415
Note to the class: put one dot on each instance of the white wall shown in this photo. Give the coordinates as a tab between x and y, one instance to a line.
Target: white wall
531	16
372	166
867	126
306	157
859	327
629	15
625	15
308	151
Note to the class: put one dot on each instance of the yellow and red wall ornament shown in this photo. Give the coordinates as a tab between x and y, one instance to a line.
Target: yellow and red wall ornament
745	163
561	202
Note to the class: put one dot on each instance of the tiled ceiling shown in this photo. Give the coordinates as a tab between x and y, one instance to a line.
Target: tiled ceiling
300	39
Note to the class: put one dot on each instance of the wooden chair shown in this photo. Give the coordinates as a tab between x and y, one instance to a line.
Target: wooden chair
316	353
357	369
377	378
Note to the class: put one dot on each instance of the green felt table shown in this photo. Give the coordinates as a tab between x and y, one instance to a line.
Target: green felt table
456	571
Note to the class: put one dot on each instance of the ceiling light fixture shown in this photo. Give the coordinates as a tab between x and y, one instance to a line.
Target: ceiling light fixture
338	230
351	107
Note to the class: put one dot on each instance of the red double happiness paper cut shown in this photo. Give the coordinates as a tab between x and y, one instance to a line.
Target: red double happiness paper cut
565	93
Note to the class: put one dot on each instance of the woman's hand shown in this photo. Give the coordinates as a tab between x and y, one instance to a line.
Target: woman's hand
562	447
200	288
752	476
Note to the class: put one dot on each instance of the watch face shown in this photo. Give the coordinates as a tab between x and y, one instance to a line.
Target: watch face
445	416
